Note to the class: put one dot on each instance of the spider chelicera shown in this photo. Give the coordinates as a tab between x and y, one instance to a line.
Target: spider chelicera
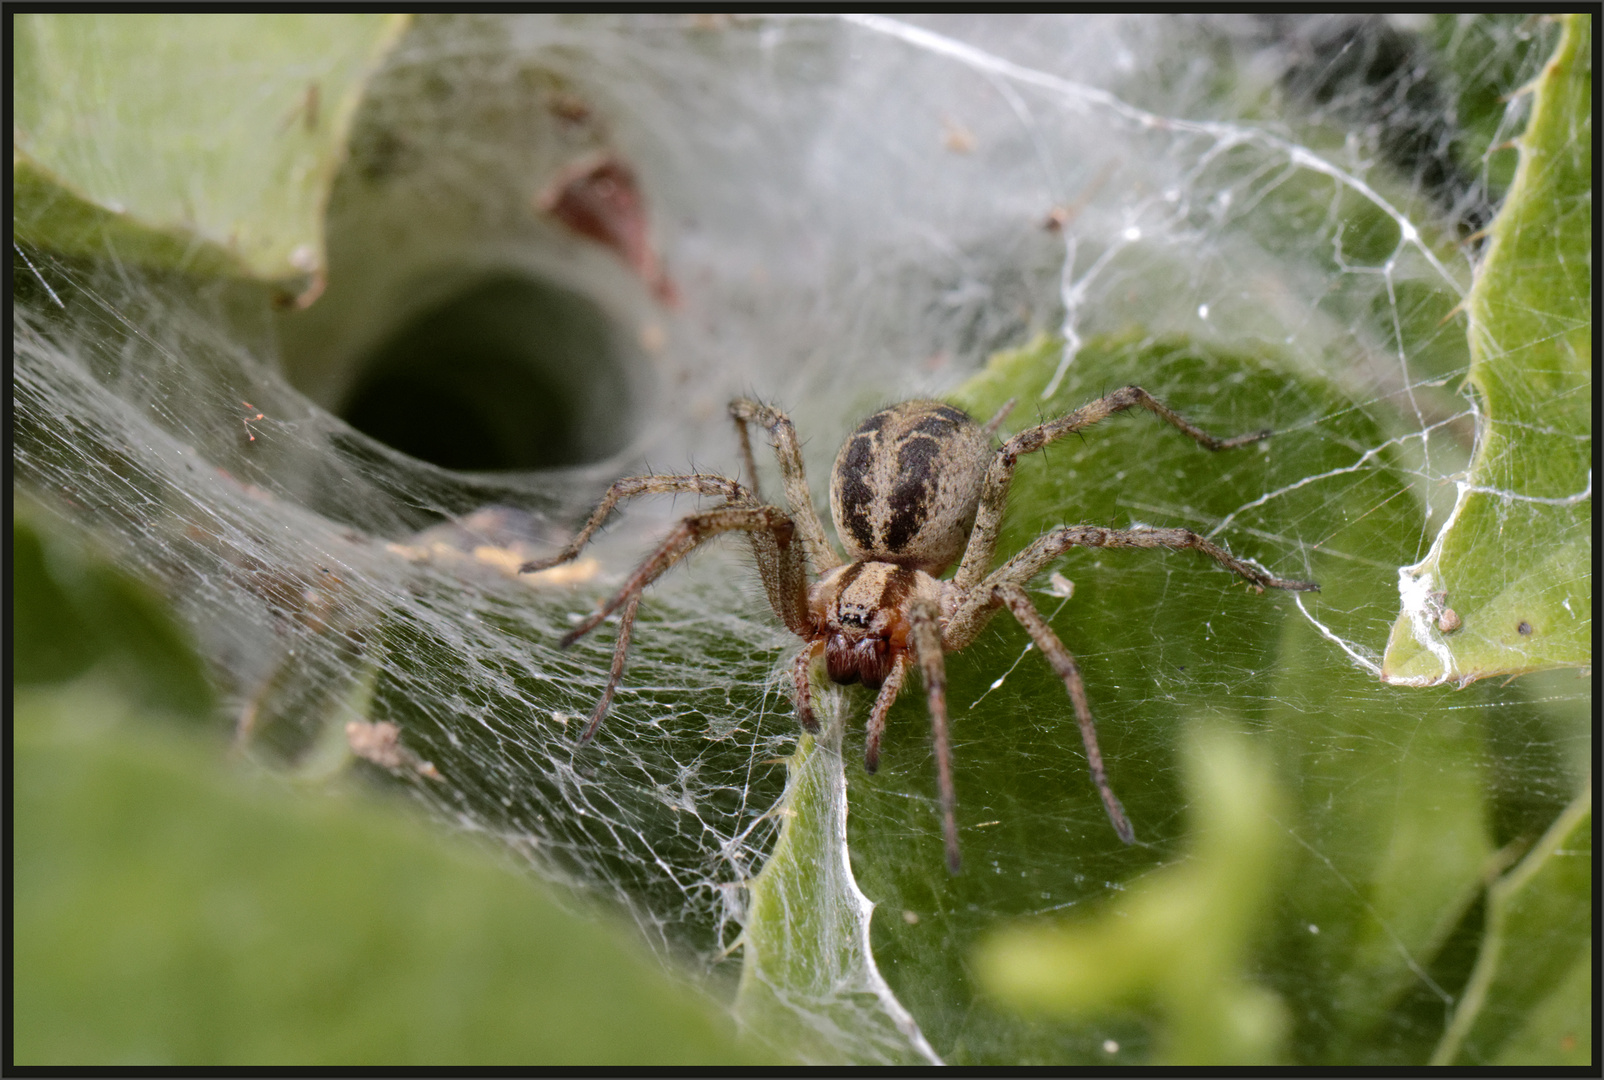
909	485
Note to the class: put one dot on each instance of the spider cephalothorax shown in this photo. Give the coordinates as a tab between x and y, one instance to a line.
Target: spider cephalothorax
915	488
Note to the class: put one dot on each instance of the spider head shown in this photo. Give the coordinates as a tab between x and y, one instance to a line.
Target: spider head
906	485
860	611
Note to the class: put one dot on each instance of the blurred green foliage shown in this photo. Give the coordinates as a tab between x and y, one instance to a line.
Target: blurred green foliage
74	611
176	908
1180	938
202	142
1538	936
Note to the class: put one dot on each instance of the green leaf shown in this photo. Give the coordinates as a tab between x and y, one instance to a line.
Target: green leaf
1514	561
206	143
1558	1031
173	911
74	610
1182	936
1538	935
51	637
50	212
807	975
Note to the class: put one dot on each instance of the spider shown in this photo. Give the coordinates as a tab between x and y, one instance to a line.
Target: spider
909	486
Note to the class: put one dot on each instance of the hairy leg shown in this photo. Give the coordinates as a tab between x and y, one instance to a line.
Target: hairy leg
783	568
882	705
924	621
994	497
1028	563
687	535
990	427
979	603
629	488
1064	664
748	461
626	626
802	685
788	452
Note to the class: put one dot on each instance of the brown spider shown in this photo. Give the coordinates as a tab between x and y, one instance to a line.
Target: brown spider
908	486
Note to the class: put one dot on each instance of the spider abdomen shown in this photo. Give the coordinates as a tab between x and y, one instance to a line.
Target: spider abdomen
906	484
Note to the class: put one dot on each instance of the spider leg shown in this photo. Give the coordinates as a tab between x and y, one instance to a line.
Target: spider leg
981	602
924	621
1064	664
802	685
882	705
692	531
1033	559
748	462
990	427
626	626
994	496
783	569
788	452
630	487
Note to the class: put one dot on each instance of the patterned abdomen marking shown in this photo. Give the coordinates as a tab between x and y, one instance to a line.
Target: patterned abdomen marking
906	483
